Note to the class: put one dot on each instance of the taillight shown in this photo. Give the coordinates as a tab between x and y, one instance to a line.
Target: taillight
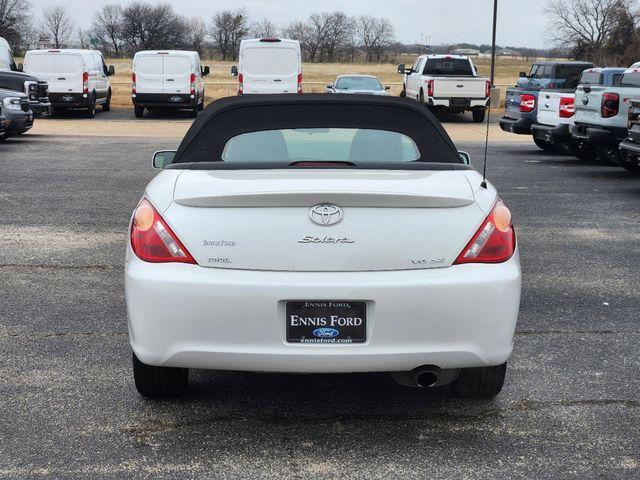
133	83
487	89
240	84
299	83
430	88
495	240
152	240
567	107
192	80
527	103
85	82
610	105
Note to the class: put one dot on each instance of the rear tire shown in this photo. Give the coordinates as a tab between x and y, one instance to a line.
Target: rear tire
159	382
483	382
479	115
138	111
544	145
609	155
585	152
106	106
566	148
421	97
91	111
632	165
194	112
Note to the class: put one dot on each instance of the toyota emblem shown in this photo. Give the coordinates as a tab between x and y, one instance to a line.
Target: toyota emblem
326	214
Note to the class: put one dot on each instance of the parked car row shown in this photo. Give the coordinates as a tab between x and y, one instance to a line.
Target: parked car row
578	109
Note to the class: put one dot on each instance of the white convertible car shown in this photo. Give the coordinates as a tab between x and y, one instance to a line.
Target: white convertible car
318	234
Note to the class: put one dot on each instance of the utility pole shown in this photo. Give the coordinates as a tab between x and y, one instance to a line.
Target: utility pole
493	41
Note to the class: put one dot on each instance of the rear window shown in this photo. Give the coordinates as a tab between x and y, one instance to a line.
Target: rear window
176	65
565	72
448	66
270	61
149	65
321	145
358	83
591	78
67	63
39	63
631	79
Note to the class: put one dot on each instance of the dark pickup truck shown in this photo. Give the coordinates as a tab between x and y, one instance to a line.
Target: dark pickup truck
36	90
522	100
630	148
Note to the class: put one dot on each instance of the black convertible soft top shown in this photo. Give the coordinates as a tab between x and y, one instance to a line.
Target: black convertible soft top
229	117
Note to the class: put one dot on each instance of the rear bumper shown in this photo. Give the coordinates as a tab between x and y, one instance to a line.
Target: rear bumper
551	133
176	100
519	126
69	100
190	316
458	103
597	135
630	148
40	107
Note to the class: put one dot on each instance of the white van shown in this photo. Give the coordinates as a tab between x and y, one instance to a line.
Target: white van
76	78
167	79
6	57
269	65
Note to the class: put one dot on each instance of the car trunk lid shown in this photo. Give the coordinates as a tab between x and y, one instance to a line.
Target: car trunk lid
266	220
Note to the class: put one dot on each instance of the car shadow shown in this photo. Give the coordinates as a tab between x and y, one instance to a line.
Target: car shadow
319	396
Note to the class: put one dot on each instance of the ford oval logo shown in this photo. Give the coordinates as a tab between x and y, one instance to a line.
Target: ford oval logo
326	214
325	333
585	100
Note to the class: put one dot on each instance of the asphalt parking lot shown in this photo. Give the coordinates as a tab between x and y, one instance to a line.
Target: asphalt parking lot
69	409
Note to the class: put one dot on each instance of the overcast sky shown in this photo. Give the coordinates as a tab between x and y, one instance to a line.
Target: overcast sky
521	23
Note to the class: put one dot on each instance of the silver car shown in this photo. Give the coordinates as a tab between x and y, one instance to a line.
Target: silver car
357	84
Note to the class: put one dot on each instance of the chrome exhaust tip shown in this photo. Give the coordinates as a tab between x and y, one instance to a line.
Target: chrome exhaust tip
426	376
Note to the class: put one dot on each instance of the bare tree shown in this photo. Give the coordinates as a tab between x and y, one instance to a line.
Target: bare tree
14	18
375	35
107	28
84	39
585	25
265	28
319	28
341	29
197	35
58	26
227	29
151	27
301	32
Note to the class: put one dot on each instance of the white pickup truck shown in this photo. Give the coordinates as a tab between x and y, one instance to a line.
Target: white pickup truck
447	82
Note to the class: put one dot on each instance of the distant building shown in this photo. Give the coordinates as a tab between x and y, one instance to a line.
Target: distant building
469	52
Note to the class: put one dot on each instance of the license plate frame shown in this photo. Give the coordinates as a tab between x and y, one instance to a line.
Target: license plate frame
326	322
